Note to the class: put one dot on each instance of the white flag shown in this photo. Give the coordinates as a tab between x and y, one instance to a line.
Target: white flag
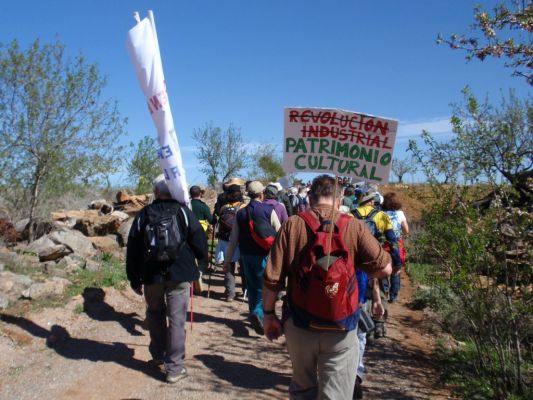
143	48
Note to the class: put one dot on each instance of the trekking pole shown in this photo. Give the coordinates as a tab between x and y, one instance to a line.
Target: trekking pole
332	226
210	264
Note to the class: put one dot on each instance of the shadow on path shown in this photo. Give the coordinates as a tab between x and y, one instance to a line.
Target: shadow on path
59	339
238	327
246	376
96	308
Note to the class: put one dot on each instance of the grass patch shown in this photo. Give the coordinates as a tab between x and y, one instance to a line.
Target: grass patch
111	274
422	274
458	368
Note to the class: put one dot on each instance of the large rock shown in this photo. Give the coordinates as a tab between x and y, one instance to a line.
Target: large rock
90	222
54	252
52	287
74	240
101	205
9	257
39	245
106	244
12	283
124	231
4	301
131	204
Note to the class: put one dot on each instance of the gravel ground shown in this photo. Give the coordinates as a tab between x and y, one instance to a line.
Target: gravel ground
101	353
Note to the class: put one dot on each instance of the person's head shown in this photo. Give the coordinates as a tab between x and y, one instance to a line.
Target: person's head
255	190
271	192
303	191
368	198
234	194
348	192
196	192
323	191
293	190
391	202
161	189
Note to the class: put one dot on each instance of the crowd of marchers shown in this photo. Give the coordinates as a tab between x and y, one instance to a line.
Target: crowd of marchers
331	251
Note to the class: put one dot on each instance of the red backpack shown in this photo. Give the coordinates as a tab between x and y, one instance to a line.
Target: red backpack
324	293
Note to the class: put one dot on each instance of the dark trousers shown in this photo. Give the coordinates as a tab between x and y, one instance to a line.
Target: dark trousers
166	313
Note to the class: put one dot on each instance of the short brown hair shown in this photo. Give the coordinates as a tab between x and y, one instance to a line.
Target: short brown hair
391	202
323	186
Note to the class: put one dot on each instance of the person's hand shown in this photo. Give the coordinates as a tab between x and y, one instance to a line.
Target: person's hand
378	310
272	327
138	290
226	267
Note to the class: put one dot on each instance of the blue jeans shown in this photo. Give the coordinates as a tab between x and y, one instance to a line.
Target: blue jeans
394	286
254	266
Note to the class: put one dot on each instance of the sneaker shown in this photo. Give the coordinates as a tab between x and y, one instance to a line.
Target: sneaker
358	389
257	324
174	377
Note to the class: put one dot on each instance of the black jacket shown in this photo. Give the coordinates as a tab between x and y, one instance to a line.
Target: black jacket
183	269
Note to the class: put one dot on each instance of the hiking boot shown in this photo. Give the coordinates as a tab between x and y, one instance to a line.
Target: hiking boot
230	299
257	324
176	376
358	389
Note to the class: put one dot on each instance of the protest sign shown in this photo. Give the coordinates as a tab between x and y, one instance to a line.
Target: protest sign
143	48
339	142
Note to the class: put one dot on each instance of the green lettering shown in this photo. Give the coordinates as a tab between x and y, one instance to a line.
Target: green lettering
312	141
296	162
373	176
323	148
366	154
290	142
300	147
385	159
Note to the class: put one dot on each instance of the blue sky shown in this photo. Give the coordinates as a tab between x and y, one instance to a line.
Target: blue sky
242	62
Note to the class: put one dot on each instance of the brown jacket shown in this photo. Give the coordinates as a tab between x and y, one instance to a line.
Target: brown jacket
294	238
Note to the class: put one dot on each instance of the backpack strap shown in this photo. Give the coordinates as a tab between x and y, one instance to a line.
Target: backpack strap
342	223
372	214
357	214
310	220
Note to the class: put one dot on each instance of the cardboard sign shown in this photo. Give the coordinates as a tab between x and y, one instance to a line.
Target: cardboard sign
338	142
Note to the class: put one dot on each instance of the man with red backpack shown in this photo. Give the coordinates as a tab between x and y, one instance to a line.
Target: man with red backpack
253	231
321	310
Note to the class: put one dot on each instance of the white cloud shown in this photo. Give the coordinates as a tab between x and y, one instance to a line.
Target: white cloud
435	126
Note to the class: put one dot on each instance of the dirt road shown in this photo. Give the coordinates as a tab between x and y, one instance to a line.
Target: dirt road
95	348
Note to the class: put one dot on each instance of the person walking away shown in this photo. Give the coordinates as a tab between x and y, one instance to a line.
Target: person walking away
283	198
320	321
271	198
225	225
204	216
164	240
380	226
392	207
253	231
349	198
303	203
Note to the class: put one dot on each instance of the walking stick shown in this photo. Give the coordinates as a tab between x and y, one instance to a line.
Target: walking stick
210	264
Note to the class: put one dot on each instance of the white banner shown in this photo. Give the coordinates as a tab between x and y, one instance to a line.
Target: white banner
339	142
143	48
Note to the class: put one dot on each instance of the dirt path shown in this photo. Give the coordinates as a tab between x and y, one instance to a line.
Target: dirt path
101	353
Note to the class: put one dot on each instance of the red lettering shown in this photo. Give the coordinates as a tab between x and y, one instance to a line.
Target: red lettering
382	126
324	131
306	114
334	119
154	102
360	138
293	116
325	118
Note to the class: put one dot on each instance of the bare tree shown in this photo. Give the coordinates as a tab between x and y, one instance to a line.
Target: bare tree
221	153
402	167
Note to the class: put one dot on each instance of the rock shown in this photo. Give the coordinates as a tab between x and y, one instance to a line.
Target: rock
89	222
131	204
9	257
40	245
12	283
124	231
122	216
92	266
101	205
70	264
21	226
74	240
4	301
55	286
54	252
106	244
2	267
41	227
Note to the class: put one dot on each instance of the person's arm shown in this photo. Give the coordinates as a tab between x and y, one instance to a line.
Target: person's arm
208	215
370	256
232	245
377	306
134	255
274	220
405	227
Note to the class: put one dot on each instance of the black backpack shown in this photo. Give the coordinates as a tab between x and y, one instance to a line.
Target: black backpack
225	221
162	237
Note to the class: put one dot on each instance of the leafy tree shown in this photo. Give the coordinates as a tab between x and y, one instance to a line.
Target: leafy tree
490	143
221	153
144	166
56	130
268	164
402	167
506	33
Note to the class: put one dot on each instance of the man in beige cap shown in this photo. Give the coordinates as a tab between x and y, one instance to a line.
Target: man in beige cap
254	254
